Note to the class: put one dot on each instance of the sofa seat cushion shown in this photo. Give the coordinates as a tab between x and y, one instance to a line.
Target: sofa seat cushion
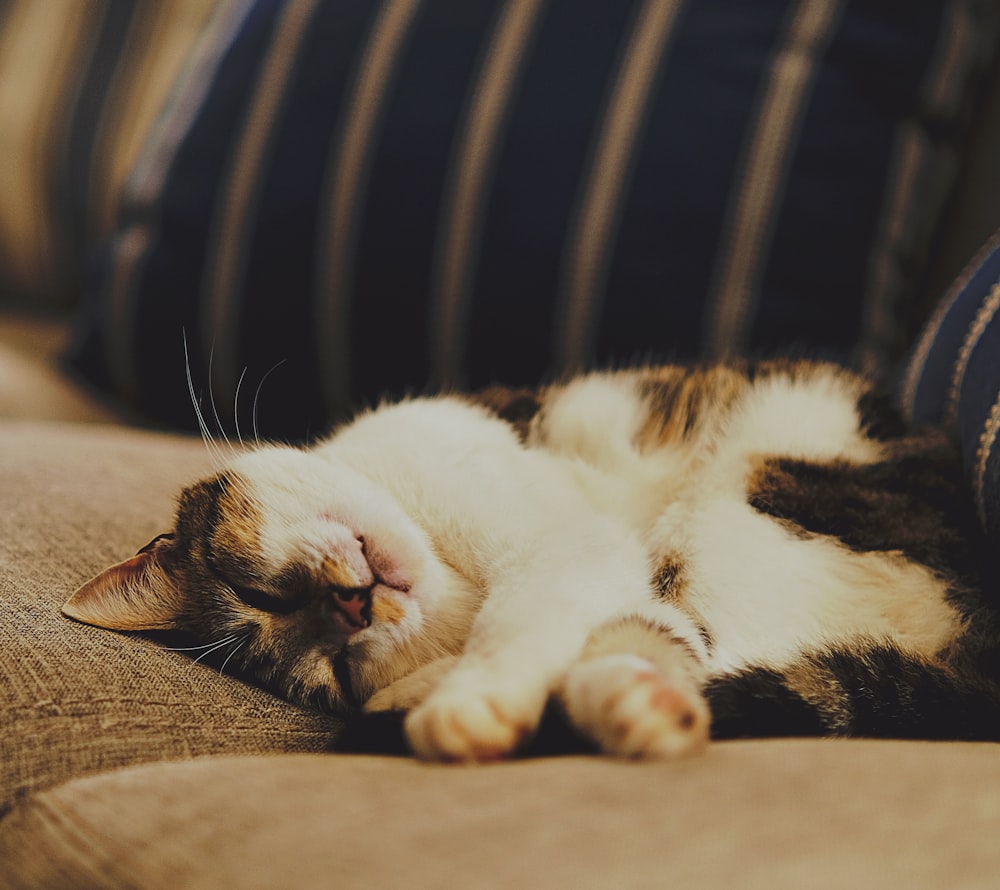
772	814
75	699
32	382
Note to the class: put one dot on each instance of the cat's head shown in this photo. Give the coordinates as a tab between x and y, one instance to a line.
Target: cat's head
319	583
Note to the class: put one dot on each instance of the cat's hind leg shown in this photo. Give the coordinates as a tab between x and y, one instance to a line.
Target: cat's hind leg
636	692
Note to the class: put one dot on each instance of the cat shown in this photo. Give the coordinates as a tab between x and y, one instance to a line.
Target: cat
664	554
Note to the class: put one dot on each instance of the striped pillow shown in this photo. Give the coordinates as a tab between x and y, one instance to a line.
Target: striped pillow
953	377
365	196
80	84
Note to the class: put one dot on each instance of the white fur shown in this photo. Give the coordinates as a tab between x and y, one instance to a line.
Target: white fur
516	556
514	520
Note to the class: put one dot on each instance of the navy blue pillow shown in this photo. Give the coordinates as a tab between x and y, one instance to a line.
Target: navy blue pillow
359	197
953	378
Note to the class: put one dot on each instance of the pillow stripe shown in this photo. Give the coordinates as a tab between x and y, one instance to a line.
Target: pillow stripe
924	389
594	228
186	99
342	206
98	60
34	111
984	316
911	179
470	180
80	84
114	334
752	218
467	191
666	250
954	377
66	194
157	40
539	185
233	230
279	324
390	305
980	384
955	55
830	172
987	471
879	328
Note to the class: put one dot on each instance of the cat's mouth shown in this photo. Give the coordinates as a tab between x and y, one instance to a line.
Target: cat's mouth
351	610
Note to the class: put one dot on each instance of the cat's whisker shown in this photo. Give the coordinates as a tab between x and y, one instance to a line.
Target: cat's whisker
215	410
220	645
256	400
236	649
206	434
236	408
228	639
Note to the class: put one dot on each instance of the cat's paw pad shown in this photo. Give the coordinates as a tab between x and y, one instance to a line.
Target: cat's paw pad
632	710
463	725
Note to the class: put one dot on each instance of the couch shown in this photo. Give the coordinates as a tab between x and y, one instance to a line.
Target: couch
127	763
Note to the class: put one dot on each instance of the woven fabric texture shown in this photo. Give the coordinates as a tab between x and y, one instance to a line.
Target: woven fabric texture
774	815
362	197
76	699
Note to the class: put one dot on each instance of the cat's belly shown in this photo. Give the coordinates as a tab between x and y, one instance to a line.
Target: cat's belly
766	593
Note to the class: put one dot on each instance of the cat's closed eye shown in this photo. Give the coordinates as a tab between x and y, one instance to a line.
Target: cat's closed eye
259	599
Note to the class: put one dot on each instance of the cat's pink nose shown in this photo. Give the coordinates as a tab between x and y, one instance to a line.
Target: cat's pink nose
353	607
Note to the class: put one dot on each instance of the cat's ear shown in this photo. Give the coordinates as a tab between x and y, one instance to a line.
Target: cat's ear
137	594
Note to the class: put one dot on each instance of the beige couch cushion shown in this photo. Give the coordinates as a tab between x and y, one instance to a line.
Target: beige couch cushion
74	699
32	383
774	814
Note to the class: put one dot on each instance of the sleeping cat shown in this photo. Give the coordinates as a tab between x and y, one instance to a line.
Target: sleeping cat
662	554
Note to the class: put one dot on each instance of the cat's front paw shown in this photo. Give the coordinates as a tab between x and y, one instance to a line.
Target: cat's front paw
409	691
467	723
630	709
